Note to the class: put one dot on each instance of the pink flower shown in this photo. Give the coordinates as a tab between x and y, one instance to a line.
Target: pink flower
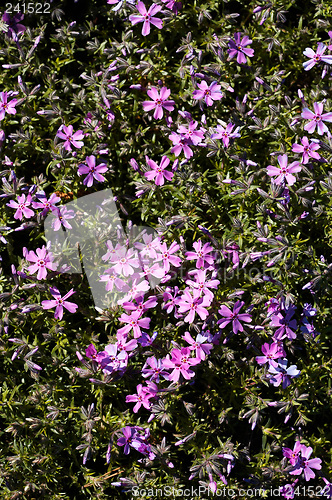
43	260
226	133
181	144
199	346
134	322
194	304
237	48
94	171
159	101
59	303
113	359
66	133
307	149
146	17
141	398
21	206
316	57
201	254
207	92
270	353
158	173
234	317
180	363
168	257
284	172
202	284
190	132
316	118
5	106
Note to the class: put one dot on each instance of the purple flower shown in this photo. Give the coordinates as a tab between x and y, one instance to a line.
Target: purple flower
201	254
158	173
286	325
21	206
61	214
207	92
282	374
42	260
284	172
94	171
316	57
130	438
120	3
316	118
44	203
237	48
194	304
180	363
307	149
199	346
66	133
156	369
135	323
146	17
226	133
13	23
5	106
159	101
113	358
59	303
305	465
234	317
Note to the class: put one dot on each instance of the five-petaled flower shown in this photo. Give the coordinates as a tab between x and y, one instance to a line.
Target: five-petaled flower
226	133
21	206
234	317
159	101
42	260
237	47
316	57
308	150
158	173
70	138
146	17
207	92
316	118
59	303
284	172
92	170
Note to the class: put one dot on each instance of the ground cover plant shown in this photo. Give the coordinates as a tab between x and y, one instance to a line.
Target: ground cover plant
165	249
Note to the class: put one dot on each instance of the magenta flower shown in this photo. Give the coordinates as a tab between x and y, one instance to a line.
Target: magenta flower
316	57
66	133
202	284
21	206
234	317
113	358
42	260
293	454
159	101
180	363
44	203
316	118
130	438
195	136
308	150
305	465
194	304
59	303
286	325
181	144
92	170
207	92
270	353
284	172
146	17
158	173
226	133
141	398
134	322
237	48
201	254
201	348
5	106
